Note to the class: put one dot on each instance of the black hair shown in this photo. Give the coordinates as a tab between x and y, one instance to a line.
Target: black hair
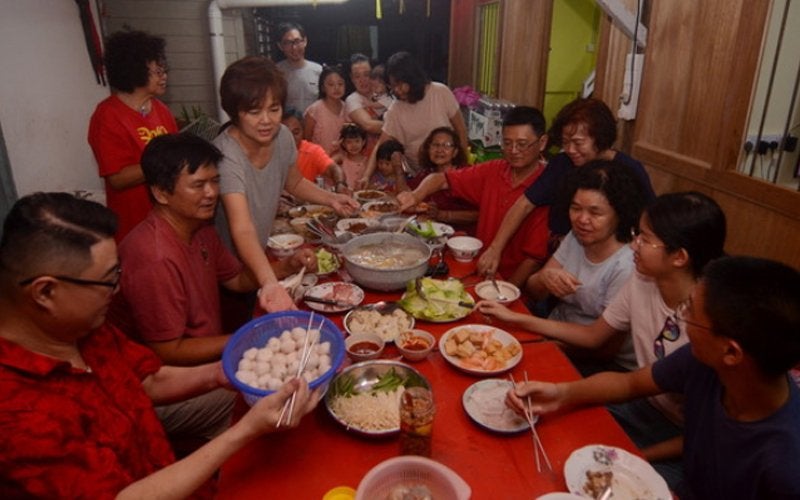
52	233
291	112
326	71
127	54
619	186
351	130
598	118
165	157
284	28
388	148
756	302
424	150
526	115
692	221
402	67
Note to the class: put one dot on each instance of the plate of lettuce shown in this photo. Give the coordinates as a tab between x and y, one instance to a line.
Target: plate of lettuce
441	301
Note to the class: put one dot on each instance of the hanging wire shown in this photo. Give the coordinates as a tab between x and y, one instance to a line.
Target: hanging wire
634	51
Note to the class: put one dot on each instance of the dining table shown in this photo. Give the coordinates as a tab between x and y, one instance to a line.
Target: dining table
320	454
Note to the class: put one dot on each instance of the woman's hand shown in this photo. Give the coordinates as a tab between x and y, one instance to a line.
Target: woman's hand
489	261
272	297
344	205
559	281
496	310
407	199
544	397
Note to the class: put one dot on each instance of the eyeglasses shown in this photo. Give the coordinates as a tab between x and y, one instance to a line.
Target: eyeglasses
520	146
160	71
671	331
681	312
112	284
636	237
297	42
442	145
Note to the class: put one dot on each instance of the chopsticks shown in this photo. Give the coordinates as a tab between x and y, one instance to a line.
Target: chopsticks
304	356
537	443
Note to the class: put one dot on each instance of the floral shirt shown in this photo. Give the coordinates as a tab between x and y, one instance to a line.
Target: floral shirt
70	433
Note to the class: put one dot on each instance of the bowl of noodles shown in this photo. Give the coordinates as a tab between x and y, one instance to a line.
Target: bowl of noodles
385	261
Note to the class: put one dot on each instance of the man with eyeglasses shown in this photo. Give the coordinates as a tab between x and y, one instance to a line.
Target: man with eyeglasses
76	416
302	75
742	438
493	187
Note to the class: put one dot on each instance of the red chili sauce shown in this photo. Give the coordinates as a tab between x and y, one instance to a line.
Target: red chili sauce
364	348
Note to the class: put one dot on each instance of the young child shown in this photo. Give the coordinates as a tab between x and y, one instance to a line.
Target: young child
676	237
389	175
325	116
742	409
380	94
352	141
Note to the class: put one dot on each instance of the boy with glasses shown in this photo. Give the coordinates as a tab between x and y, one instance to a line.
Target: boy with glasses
742	438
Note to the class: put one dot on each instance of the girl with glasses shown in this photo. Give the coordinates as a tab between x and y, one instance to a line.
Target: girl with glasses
678	235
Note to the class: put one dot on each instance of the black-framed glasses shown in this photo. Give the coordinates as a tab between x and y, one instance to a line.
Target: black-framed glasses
681	312
297	42
112	284
520	146
636	237
442	145
671	331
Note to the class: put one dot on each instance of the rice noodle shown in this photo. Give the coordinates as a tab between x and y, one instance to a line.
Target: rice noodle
379	411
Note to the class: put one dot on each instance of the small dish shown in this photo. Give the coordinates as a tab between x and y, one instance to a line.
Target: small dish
487	291
345	295
415	345
378	208
368	195
363	346
464	248
484	402
501	351
355	225
284	245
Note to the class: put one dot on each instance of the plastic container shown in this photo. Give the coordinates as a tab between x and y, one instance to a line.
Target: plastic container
394	474
257	332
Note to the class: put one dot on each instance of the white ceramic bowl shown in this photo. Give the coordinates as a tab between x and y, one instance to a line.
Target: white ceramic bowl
415	345
487	291
284	245
464	248
351	342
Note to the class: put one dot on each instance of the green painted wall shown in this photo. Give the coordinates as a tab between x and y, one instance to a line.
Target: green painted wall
573	52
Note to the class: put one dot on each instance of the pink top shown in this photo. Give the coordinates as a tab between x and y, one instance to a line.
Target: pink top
328	124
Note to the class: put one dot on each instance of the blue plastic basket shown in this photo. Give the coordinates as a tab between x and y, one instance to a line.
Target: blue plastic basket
257	332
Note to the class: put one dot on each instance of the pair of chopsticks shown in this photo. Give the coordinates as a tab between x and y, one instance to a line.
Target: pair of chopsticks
308	345
537	443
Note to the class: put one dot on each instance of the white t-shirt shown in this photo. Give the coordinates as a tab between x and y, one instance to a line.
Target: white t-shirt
302	84
639	308
410	123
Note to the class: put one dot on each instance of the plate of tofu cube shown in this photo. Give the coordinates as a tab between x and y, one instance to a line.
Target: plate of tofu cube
480	349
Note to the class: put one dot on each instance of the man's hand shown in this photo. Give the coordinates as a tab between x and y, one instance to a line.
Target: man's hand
545	397
263	416
489	261
344	205
272	297
407	199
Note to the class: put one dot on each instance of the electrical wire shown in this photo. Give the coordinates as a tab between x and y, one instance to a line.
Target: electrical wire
634	51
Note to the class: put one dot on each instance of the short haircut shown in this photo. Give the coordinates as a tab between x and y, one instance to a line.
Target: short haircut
692	221
351	130
388	148
378	72
291	112
167	155
245	83
327	71
403	67
756	302
526	115
619	185
51	233
358	58
127	54
598	118
424	150
286	27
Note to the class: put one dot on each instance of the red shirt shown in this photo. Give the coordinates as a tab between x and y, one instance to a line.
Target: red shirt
488	186
170	289
69	433
118	135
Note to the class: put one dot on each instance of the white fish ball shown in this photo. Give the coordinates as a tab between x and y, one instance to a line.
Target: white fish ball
250	353
246	376
292	356
309	376
246	364
261	368
323	348
324	365
298	333
288	346
263	380
278	371
286	335
273	343
313	360
278	359
292	366
264	354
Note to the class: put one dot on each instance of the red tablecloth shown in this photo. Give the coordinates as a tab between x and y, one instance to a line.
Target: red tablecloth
319	455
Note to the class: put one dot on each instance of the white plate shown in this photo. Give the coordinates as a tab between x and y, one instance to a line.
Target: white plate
503	336
328	290
487	291
371	209
344	224
632	477
439	228
463	311
485	403
310	211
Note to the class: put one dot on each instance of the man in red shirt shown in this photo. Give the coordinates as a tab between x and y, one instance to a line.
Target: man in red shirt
76	417
493	187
